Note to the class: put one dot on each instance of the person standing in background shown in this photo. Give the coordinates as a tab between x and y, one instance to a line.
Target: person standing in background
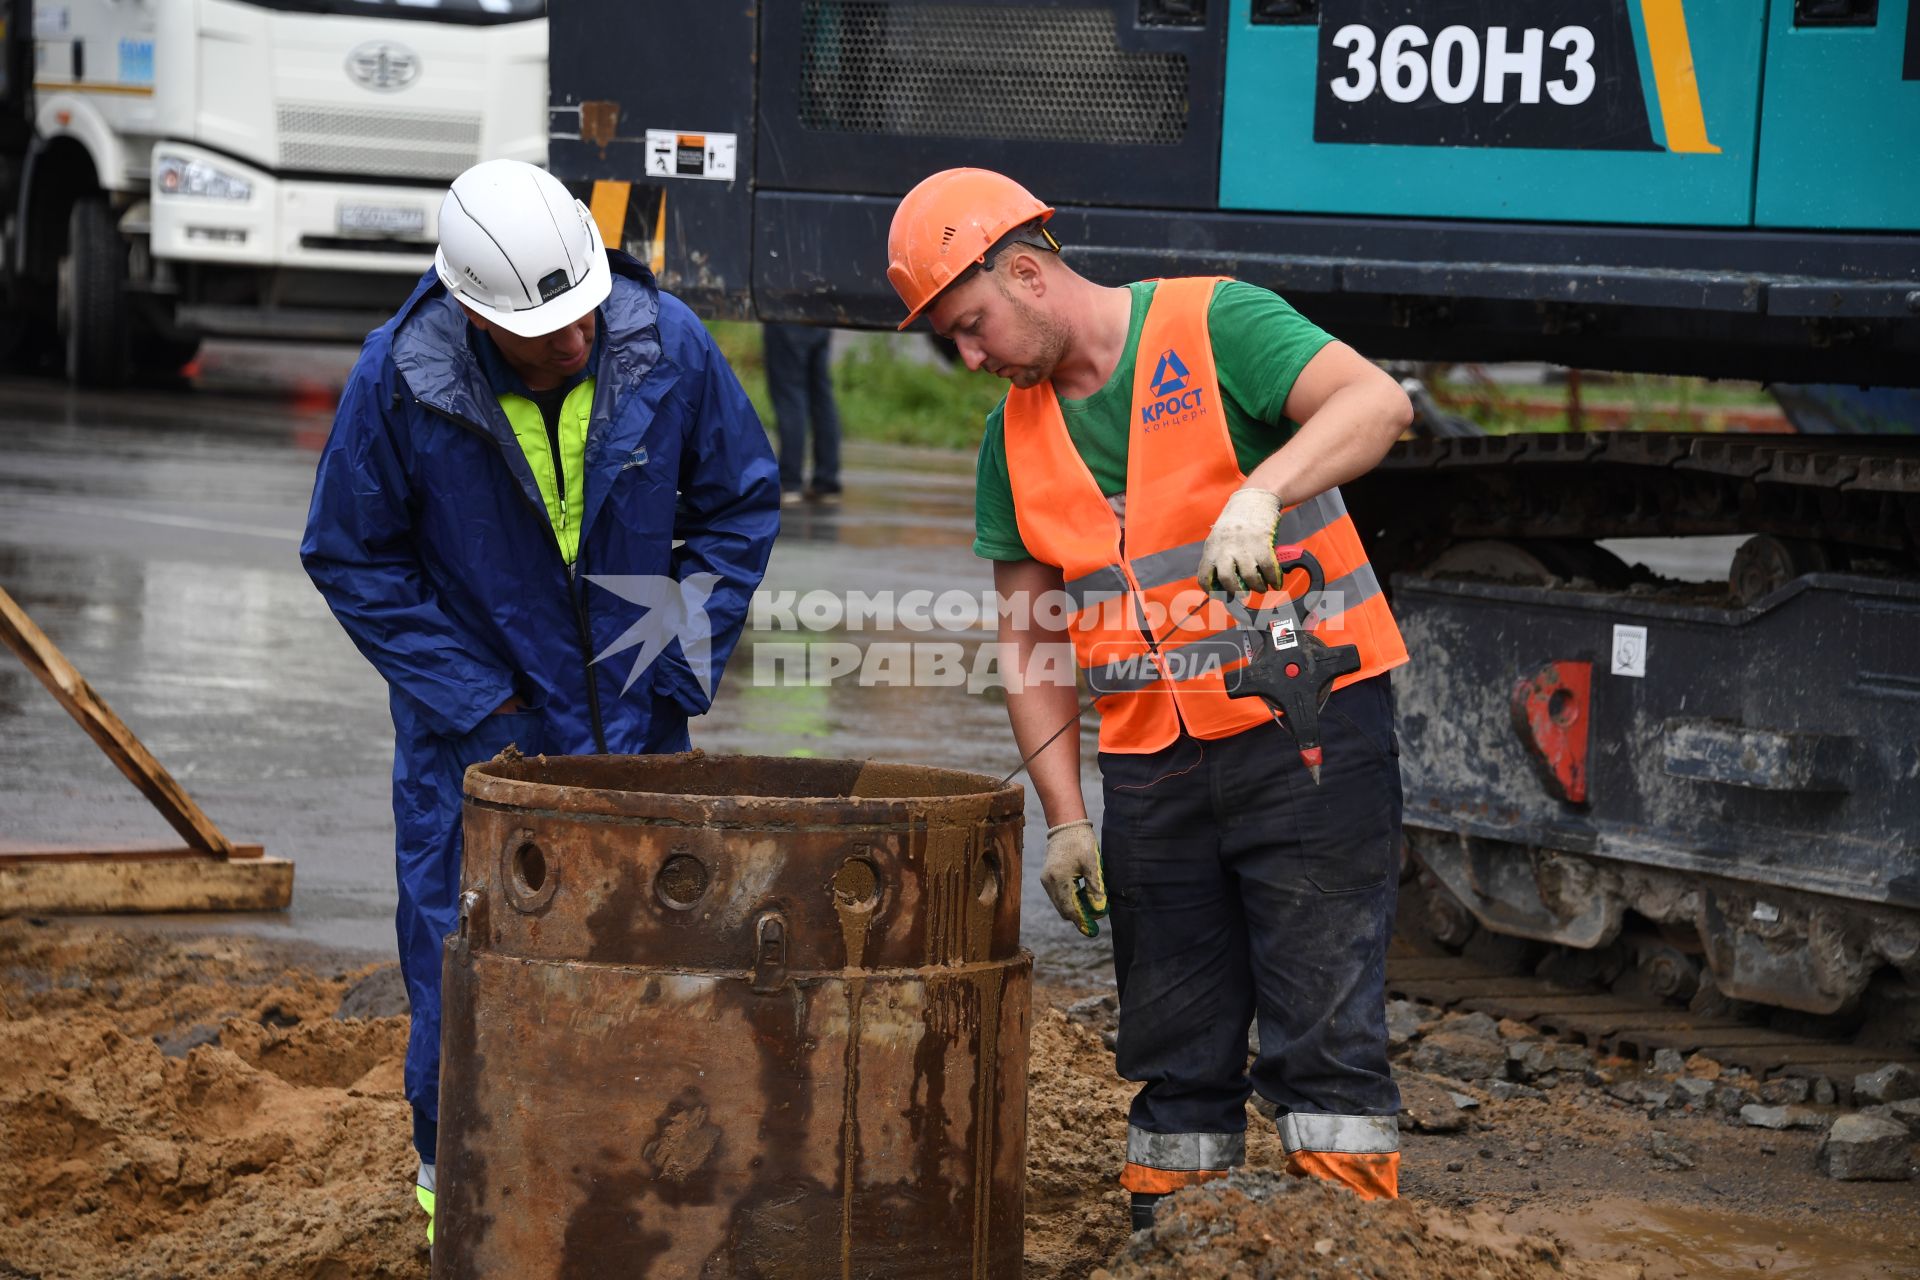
800	382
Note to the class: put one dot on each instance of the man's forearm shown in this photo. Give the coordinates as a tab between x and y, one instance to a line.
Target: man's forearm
1043	702
1346	439
1038	710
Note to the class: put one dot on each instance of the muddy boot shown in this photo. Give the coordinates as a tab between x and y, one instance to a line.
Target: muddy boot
1143	1210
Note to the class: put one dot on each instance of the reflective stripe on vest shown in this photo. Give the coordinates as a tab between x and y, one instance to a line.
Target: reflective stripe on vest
530	429
1181	468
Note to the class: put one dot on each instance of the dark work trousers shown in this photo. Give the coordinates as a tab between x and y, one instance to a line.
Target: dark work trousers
1236	885
800	383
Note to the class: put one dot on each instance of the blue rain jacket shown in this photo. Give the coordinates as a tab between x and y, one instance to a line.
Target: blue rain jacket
428	537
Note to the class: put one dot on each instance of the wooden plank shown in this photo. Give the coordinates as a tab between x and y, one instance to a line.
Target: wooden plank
127	752
194	883
1620	1024
1842	1071
1570	1004
1447	990
21	851
1757	1039
1548	1021
1427	968
1811	1052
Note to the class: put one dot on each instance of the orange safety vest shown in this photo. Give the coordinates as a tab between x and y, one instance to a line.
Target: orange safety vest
1181	469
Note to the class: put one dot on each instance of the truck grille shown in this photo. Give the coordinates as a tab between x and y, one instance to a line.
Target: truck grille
411	144
984	71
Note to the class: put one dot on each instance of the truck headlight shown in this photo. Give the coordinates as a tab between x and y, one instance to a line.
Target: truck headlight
179	176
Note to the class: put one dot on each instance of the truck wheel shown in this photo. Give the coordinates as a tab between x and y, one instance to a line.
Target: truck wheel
160	357
13	330
93	308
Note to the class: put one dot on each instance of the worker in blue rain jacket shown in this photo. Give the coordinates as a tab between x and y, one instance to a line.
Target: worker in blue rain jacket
541	514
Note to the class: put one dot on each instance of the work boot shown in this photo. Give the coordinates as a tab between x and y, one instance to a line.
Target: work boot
423	1192
1143	1206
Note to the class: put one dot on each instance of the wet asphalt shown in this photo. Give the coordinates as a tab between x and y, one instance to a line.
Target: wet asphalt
153	534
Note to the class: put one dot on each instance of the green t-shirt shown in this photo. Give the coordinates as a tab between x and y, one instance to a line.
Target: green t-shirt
1260	345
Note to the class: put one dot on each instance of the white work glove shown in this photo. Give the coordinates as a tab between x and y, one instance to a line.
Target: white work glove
1071	876
1239	555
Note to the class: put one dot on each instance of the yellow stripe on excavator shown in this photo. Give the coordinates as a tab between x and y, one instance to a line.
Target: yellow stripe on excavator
1673	76
609	209
657	259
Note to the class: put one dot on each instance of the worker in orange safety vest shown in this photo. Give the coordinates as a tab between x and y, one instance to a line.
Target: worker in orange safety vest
1156	441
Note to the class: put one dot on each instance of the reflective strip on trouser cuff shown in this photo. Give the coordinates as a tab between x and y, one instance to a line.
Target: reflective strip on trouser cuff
1185	1151
1159	1163
1302	1131
425	1180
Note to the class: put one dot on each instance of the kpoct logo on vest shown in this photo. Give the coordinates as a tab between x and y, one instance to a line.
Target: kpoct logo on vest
1174	402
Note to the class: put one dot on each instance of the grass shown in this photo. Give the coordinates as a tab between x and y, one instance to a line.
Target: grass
883	394
1650	402
887	394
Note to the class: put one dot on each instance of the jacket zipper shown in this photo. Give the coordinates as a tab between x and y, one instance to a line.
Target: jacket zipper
583	632
559	473
586	662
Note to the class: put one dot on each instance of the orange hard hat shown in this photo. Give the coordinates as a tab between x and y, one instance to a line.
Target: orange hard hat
947	224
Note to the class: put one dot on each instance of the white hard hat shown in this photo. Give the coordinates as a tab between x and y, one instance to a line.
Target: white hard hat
519	250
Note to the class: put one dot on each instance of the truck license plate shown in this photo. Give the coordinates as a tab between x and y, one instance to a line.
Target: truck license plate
383	219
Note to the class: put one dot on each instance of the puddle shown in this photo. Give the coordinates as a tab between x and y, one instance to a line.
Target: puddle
1670	1242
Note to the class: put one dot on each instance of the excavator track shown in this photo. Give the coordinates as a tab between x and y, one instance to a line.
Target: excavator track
1631	1026
1590	748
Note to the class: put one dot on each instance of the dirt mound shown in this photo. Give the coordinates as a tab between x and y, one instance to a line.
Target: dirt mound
279	1151
1257	1226
188	1108
1076	1140
1076	1135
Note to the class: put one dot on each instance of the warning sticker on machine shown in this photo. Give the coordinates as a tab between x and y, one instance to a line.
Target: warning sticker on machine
1629	650
672	154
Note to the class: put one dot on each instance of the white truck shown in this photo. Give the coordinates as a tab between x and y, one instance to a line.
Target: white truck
177	169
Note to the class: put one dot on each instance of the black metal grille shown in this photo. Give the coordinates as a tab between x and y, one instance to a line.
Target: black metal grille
979	71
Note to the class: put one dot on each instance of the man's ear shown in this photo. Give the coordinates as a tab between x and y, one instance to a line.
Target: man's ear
1025	271
477	320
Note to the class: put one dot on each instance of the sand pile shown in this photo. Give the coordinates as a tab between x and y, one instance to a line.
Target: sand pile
1268	1226
185	1108
275	1146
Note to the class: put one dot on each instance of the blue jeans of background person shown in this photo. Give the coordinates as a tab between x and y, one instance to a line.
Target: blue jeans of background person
1236	885
800	383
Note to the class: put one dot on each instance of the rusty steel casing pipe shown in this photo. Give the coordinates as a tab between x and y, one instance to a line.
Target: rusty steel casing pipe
715	1016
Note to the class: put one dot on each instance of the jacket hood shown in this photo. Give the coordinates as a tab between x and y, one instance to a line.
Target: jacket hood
431	354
